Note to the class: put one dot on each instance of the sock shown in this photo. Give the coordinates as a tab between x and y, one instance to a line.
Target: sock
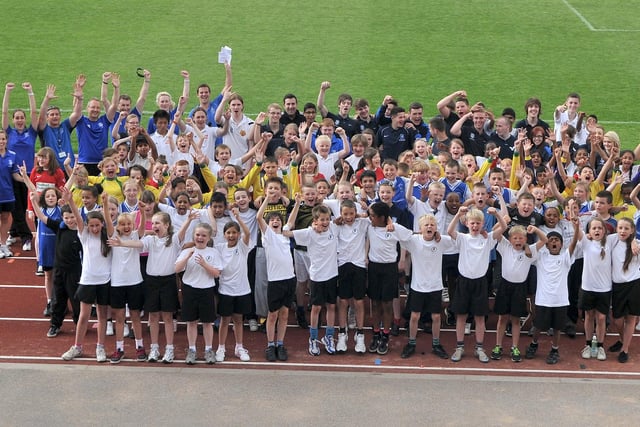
271	344
99	346
169	347
206	347
192	347
435	341
359	331
220	347
139	343
313	333
330	331
478	345
279	343
460	344
238	346
154	346
120	345
396	322
412	341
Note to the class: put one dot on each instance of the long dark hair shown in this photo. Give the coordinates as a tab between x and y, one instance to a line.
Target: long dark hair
104	248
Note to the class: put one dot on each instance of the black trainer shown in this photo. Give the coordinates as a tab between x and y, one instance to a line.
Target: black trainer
408	350
553	357
383	346
302	320
53	332
623	357
270	353
439	351
616	347
395	329
281	353
373	347
531	351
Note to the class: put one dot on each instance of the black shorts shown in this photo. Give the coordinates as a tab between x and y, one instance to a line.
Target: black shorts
7	206
625	299
228	305
93	294
122	295
280	293
322	293
383	281
590	300
471	297
511	298
198	304
425	302
352	281
161	294
550	317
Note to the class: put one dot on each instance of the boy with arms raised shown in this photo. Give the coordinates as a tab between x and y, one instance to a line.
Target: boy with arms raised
426	251
471	292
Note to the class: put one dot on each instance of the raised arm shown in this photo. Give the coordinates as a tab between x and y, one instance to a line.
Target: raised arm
8	88
185	85
78	96
104	90
33	111
115	134
107	222
452	230
144	91
542	237
246	233
42	117
226	94
262	224
346	147
443	104
291	222
111	111
320	102
456	129
502	225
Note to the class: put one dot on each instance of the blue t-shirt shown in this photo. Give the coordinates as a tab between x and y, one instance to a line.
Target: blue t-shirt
23	144
59	140
93	139
8	167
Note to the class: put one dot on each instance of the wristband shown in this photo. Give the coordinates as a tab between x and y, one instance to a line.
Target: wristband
105	83
30	93
258	163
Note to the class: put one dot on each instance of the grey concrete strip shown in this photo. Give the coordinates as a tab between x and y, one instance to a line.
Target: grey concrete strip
33	394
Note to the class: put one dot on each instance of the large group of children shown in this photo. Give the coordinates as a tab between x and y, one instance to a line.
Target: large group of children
219	219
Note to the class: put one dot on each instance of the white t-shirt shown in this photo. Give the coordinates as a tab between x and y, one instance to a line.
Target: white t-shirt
237	139
426	261
352	241
596	272
162	144
475	251
277	250
96	269
419	208
209	144
125	263
334	205
162	258
383	244
194	274
322	249
325	166
552	271
234	279
618	254
515	264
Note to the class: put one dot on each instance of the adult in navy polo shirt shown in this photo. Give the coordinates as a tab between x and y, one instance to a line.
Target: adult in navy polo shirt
416	123
21	140
93	129
341	119
364	119
454	106
474	138
394	139
124	102
502	137
291	113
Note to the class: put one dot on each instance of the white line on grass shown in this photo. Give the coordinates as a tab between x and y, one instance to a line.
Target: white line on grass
588	24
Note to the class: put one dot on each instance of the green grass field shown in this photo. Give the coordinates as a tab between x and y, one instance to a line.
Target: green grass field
500	51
